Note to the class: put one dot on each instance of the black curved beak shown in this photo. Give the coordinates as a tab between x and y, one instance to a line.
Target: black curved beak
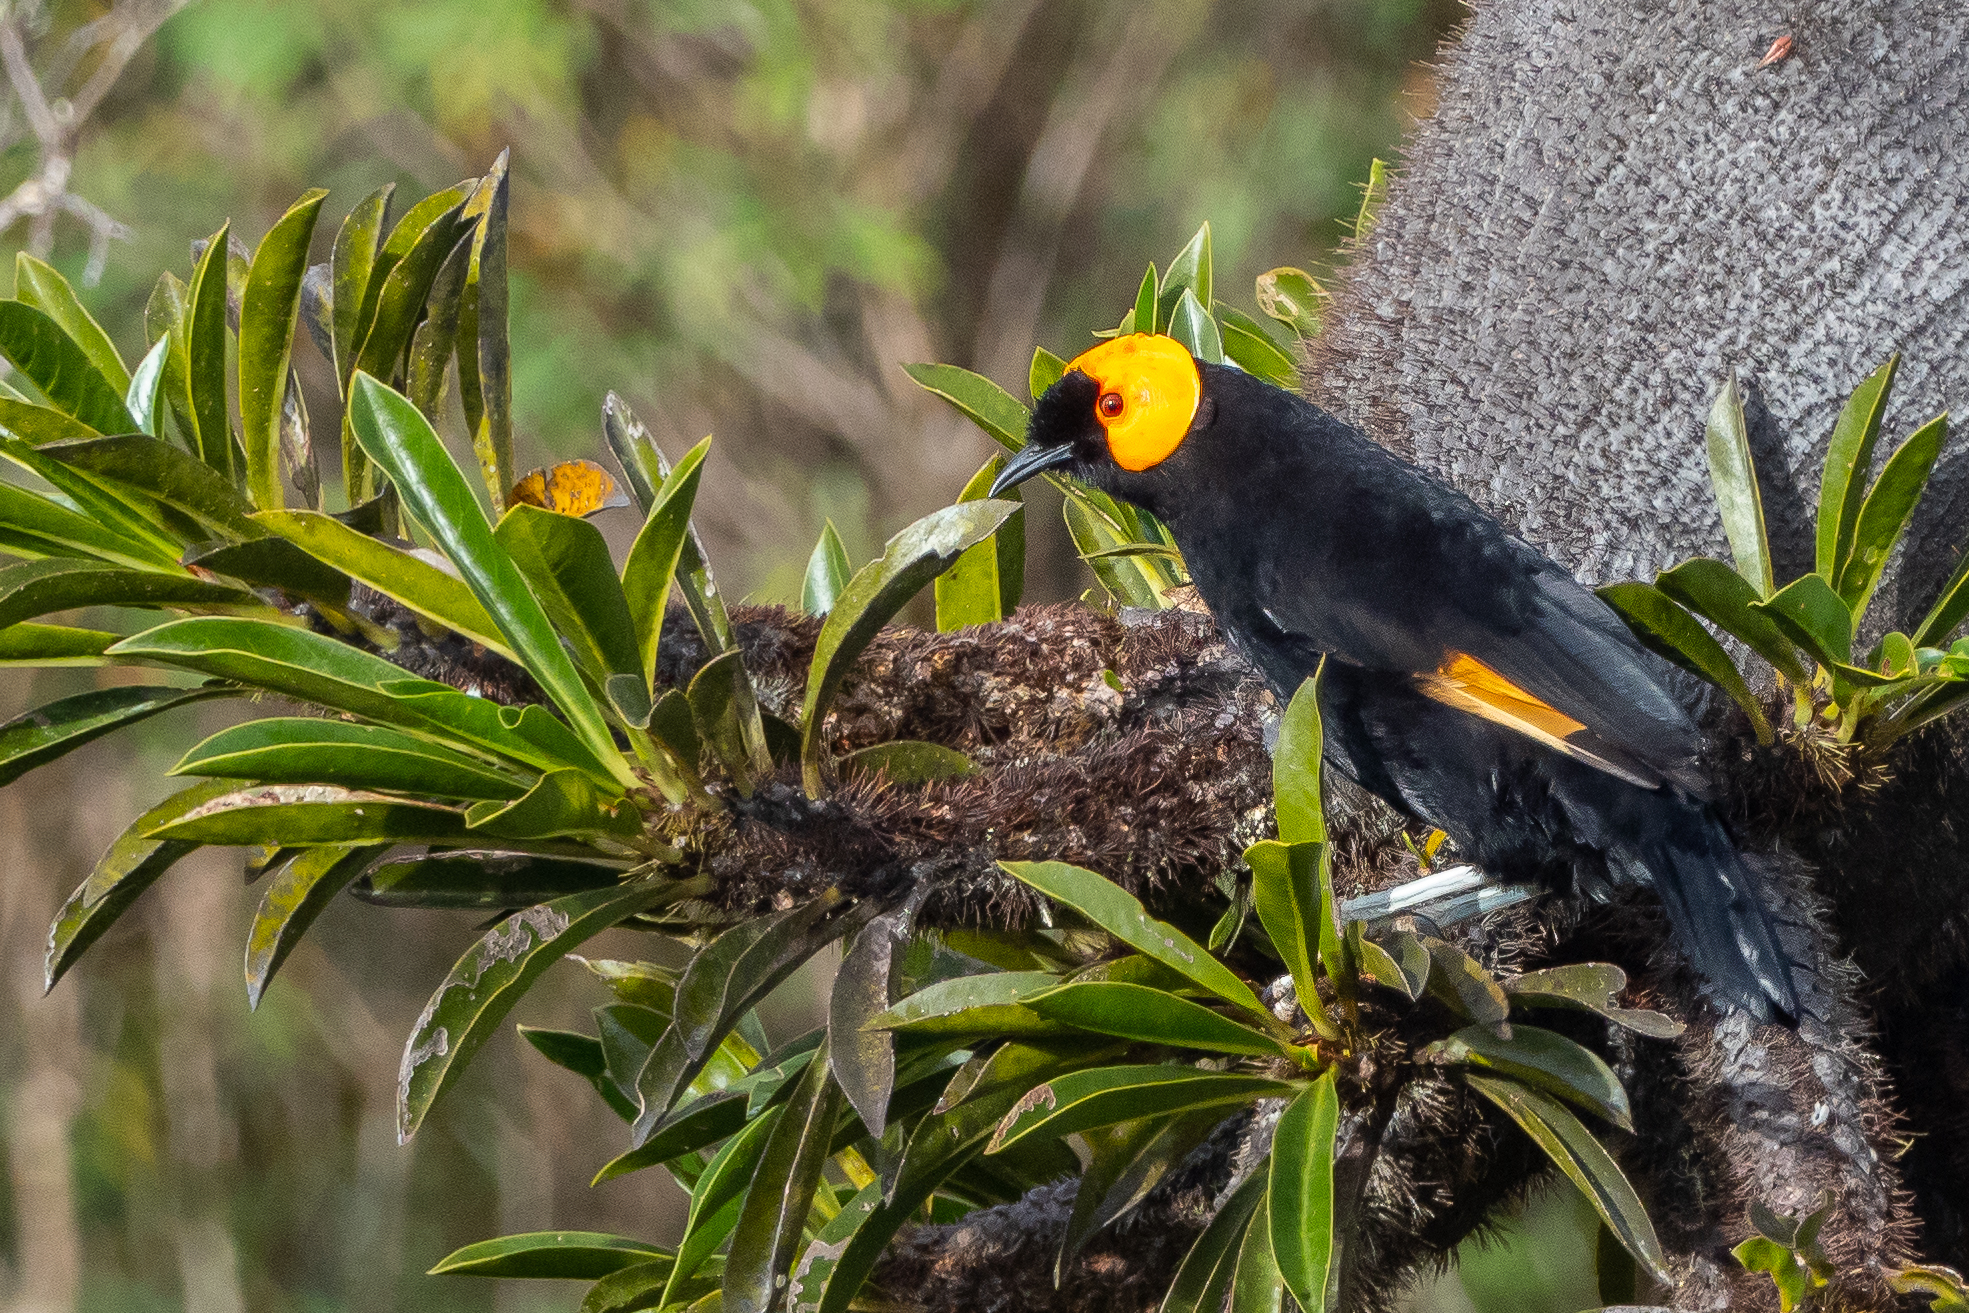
1028	461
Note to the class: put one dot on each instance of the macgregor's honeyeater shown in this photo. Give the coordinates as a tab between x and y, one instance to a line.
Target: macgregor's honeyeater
1469	682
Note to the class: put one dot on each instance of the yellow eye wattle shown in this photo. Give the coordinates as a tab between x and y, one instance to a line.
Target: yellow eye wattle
1149	391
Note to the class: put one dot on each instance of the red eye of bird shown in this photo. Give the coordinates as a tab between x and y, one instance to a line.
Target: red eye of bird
1111	404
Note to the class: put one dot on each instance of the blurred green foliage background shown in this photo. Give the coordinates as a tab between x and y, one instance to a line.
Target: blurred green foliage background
743	217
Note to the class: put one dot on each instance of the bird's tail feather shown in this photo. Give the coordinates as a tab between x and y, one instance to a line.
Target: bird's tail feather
1719	915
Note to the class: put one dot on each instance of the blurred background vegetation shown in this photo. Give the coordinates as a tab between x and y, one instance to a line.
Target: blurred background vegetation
743	216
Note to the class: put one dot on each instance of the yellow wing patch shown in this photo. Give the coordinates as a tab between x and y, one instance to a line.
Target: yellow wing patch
574	487
1469	685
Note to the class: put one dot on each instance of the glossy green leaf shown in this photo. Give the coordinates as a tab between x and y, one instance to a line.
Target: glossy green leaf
356	245
986	583
983	402
563	804
1292	298
1815	618
1192	325
36	424
582	1055
865	1059
266	342
483	880
132	864
124	521
34	588
1572	1148
1204	1280
641	1287
161	471
1949	608
1125	1163
1723	597
205	337
1099	544
313	750
1733	478
37	737
712	696
164	321
699	1123
1047	369
719	1196
1251	348
1286	891
1793	1278
144	400
1462	984
1301	1213
828	572
436	337
988	1004
1192	267
403	444
1082	1100
274	563
1664	627
767	1238
1547	1061
584	1255
1120	913
400	296
53	530
910	761
298	893
1296	768
304	814
879	589
566	561
1848	459
657	552
53	645
35	344
1151	1016
496	973
1400	964
1885	513
1143	318
432	592
1592	987
40	285
1257	1286
483	332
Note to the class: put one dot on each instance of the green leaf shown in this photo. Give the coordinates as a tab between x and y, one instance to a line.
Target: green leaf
1402	964
159	470
1301	1212
1047	369
1120	913
40	285
483	333
1665	628
767	1237
1848	458
1815	617
983	402
582	1055
357	243
124	523
1462	985
1098	543
828	572
1592	987
988	1004
1572	1148
296	815
1547	1061
1251	348
658	551
1257	1286
1733	478
697	1124
1724	597
878	590
35	738
1293	904
586	1255
1372	195
1192	325
54	530
1296	768
402	442
313	750
266	342
205	338
426	589
36	424
988	579
564	803
1292	298
1082	1100
274	563
1204	1279
53	645
1792	1277
489	881
1949	608
146	391
719	1196
35	588
1144	320
164	321
299	893
496	973
132	864
714	714
864	1059
1191	269
34	343
400	297
1125	1163
910	761
1942	1286
1885	512
1151	1016
566	561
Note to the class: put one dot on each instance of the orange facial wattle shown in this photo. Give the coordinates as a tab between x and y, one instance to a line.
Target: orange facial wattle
1149	391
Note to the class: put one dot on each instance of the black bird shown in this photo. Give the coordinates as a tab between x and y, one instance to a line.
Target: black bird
1470	681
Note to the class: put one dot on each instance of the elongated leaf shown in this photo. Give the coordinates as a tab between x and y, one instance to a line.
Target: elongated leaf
1111	554
563	803
1152	1016
1723	597
719	1196
988	1004
274	563
767	1238
1848	459
1082	1100
483	880
1257	1286
1192	267
34	588
988	579
1192	325
1887	508
566	561
1401	963
582	1055
483	331
429	591
436	338
1548	1061
1301	1205
1143	317
1285	891
1292	298
1461	983
585	1255
1815	617
713	699
864	1059
205	337
53	645
1204	1280
1575	1152
164	321
1128	1161
40	285
297	895
55	530
35	738
125	521
159	470
1120	913
1251	348
1592	987
401	295
698	1123
311	750
828	572
144	400
1949	608
910	761
1665	628
266	342
36	424
132	864
302	814
983	402
654	557
1733	478
35	344
1047	369
403	444
879	589
354	259
475	998
1296	768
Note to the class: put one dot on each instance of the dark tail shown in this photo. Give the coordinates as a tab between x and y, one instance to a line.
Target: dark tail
1717	911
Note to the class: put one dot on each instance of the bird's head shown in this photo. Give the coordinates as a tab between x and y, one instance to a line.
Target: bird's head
1120	410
